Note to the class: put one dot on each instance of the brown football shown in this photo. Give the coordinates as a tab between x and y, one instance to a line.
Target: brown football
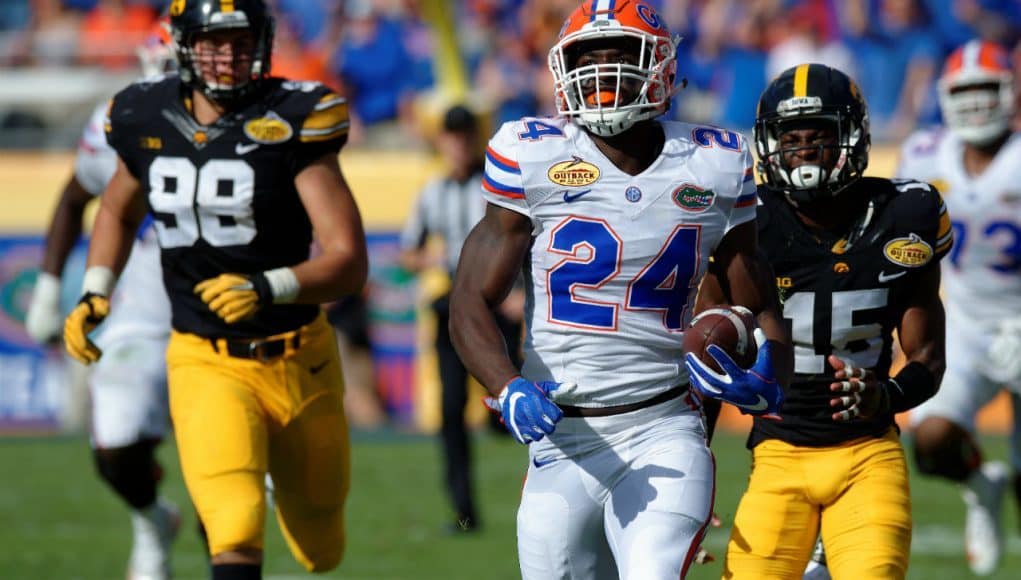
730	328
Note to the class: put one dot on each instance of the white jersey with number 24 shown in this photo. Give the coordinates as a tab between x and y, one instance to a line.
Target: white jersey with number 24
616	258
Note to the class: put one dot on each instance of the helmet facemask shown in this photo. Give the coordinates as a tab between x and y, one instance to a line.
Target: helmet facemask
609	98
200	57
837	164
980	110
976	92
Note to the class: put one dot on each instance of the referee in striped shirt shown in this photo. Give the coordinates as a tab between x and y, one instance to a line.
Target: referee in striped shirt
450	207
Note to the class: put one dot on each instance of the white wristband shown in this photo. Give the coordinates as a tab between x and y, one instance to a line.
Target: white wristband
284	285
47	289
98	280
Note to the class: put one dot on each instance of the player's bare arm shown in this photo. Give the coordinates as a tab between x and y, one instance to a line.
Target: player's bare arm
121	211
490	261
710	293
343	265
65	226
922	327
743	276
922	336
43	320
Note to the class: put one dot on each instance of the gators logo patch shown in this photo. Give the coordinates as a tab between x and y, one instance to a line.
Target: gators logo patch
693	198
573	173
269	129
910	252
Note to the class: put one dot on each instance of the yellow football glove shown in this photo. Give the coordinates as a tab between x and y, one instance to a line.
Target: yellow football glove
90	311
235	297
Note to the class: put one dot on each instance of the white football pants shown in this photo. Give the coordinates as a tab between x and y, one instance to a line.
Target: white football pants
625	496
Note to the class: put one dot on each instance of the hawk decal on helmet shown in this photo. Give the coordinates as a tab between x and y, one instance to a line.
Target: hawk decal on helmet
189	20
812	94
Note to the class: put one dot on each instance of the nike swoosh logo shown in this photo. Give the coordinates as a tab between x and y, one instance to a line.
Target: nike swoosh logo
539	464
514	398
702	383
884	277
570	196
759	405
315	369
242	148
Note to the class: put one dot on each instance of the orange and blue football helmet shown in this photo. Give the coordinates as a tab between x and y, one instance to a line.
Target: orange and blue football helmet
593	95
976	92
156	54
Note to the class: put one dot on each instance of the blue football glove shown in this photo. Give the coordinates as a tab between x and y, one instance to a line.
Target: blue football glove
754	391
526	409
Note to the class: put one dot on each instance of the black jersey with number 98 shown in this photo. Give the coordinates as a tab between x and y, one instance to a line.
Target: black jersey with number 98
222	196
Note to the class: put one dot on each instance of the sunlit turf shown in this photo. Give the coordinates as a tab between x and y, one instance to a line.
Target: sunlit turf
57	521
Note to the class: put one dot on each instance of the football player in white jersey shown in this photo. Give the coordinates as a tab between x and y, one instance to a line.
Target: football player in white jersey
613	215
974	163
129	386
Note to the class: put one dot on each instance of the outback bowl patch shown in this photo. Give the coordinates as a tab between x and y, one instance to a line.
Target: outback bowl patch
573	173
910	252
693	198
269	129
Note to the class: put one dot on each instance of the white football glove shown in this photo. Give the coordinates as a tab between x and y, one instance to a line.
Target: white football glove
43	322
1005	353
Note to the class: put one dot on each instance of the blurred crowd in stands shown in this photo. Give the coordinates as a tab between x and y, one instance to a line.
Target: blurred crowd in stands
388	55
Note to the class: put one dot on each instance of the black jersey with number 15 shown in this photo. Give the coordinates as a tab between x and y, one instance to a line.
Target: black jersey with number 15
846	299
222	195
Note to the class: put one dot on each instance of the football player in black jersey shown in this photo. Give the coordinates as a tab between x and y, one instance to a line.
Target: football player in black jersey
239	169
856	258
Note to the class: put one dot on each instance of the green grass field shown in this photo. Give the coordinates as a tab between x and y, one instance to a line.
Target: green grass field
58	522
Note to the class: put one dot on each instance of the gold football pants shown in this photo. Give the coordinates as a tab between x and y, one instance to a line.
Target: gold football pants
237	418
856	494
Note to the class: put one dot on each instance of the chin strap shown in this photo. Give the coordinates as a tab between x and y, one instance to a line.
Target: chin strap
680	86
858	230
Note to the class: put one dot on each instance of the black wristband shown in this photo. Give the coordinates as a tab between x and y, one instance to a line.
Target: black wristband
262	289
912	386
86	299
